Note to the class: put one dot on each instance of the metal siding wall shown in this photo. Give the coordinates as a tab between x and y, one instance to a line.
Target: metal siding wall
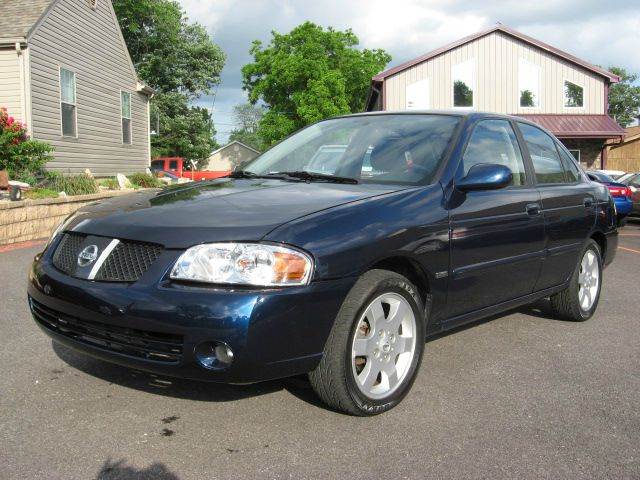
496	87
10	84
87	42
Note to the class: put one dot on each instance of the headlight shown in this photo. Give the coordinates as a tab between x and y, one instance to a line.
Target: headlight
243	264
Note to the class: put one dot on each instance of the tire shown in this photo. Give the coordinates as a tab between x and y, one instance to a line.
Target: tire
348	382
569	304
15	194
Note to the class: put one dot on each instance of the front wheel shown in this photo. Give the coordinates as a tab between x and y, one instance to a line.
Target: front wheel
375	346
579	300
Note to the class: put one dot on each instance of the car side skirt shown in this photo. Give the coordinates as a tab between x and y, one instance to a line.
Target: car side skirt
465	318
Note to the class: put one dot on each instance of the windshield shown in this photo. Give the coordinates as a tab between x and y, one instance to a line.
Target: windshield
404	149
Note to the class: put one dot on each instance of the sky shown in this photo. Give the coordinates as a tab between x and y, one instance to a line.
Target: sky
601	32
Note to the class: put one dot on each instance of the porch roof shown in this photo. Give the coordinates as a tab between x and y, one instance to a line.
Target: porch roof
578	125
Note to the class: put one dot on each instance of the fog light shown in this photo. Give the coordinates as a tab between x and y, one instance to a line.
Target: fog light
214	355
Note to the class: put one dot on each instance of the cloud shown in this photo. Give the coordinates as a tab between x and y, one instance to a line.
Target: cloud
604	33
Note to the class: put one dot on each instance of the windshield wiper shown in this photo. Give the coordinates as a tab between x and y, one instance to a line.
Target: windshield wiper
312	176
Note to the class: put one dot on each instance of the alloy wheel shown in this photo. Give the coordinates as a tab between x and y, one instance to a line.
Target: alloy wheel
384	345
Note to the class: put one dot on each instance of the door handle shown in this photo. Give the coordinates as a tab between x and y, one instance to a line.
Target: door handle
533	209
588	202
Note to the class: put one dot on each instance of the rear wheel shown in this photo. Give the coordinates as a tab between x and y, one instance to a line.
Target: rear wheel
579	300
374	349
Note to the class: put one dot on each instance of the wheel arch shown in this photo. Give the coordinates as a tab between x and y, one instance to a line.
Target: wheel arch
409	268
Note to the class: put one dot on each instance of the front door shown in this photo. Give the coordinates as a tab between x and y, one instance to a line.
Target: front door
497	236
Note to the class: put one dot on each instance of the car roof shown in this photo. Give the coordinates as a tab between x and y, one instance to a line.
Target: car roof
468	114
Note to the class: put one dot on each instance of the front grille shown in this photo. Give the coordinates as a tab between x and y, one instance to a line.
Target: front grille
66	256
127	262
160	347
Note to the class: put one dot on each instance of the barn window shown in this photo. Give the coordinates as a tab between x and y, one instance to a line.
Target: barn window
125	114
417	95
68	107
463	77
573	95
528	83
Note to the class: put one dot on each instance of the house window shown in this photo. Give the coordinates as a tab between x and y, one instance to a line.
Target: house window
573	95
125	107
576	154
93	4
528	84
417	95
463	77
68	107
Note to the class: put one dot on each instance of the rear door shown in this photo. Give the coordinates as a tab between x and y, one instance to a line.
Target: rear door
497	236
568	205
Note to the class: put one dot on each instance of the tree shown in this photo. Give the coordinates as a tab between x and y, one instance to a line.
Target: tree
573	94
185	131
527	98
309	74
624	97
180	62
247	117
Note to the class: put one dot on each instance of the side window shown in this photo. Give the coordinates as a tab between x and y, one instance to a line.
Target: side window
544	155
494	141
571	169
173	165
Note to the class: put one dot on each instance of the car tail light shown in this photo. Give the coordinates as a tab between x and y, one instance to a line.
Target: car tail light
620	191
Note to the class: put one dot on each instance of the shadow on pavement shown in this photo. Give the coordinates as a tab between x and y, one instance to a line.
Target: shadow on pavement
121	471
182	388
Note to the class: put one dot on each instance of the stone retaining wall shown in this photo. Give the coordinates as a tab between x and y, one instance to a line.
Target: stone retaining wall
35	219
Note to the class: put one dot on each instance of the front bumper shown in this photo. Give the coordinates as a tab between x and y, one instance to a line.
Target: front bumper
274	333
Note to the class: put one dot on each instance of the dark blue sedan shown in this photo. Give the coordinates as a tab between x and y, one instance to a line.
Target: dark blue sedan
414	224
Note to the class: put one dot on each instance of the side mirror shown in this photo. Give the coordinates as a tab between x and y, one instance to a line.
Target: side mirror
485	176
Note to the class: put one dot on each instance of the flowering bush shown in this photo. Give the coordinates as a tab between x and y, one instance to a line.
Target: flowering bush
21	156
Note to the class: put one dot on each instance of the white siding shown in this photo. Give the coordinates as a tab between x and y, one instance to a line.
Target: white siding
11	91
497	57
87	42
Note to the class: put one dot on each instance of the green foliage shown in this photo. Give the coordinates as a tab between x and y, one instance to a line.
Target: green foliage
181	62
71	184
527	98
21	156
624	97
184	131
248	117
39	193
170	54
309	74
462	94
144	180
110	183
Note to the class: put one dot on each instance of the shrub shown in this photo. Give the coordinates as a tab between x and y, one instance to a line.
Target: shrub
110	183
144	180
39	193
71	185
21	156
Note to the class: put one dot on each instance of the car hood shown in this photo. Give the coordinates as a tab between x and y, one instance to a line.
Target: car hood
219	210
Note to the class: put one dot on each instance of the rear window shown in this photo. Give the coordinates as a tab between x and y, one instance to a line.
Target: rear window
544	155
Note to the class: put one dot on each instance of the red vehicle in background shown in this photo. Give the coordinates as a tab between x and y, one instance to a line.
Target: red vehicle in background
182	168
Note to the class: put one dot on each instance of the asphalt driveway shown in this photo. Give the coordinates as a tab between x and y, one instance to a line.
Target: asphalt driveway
518	396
